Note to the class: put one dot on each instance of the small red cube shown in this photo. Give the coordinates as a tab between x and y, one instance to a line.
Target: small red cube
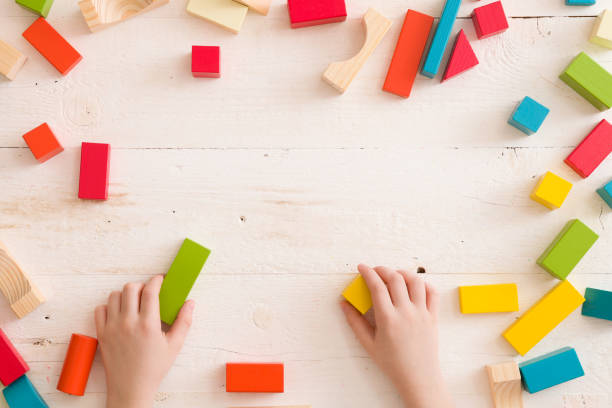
304	13
43	143
205	61
489	20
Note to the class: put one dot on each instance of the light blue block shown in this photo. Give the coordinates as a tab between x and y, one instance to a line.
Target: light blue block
528	116
550	369
598	304
440	38
579	2
606	193
22	394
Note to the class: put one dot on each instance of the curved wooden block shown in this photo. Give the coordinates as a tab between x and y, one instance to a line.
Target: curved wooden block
100	14
341	74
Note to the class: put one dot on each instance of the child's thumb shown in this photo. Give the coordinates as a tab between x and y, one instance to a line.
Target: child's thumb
180	327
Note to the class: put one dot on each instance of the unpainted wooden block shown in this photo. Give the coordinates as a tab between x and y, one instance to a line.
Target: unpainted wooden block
605	193
592	151
505	384
95	167
598	303
22	394
205	61
489	20
440	39
550	369
462	57
306	13
590	80
528	116
13	365
358	295
101	14
11	60
602	30
254	377
489	298
224	13
40	7
551	191
42	143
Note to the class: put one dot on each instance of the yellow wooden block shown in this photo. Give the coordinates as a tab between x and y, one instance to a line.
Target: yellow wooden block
358	295
505	384
489	298
602	30
11	60
551	191
225	13
544	316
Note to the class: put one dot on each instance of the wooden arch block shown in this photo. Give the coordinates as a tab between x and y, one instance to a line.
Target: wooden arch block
255	377
100	14
505	384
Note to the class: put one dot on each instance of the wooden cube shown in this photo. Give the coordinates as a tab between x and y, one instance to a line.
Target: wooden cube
598	304
13	365
40	7
305	13
42	143
505	385
551	191
205	61
489	20
358	295
550	369
11	60
528	116
602	30
605	193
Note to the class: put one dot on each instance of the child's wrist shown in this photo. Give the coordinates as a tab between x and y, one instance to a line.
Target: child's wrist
128	400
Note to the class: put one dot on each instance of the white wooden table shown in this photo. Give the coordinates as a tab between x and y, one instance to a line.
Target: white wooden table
292	185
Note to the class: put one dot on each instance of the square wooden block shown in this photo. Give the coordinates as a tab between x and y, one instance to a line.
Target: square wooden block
42	143
528	116
205	61
551	191
489	20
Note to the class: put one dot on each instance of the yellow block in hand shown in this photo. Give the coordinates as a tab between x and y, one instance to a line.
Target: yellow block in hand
358	295
551	191
489	298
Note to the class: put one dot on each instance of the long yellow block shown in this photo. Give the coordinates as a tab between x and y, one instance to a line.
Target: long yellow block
358	295
544	316
489	298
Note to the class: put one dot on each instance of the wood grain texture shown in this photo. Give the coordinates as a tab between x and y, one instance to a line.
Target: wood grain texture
101	14
505	384
23	297
11	60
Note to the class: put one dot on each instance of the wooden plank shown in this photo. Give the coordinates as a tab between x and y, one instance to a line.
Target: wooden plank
598	303
440	39
11	60
100	14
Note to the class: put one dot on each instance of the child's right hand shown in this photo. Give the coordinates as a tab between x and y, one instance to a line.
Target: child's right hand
404	341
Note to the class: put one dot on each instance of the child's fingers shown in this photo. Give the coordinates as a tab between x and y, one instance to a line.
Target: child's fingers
114	305
130	299
362	329
100	319
432	299
180	327
149	301
416	287
395	285
378	290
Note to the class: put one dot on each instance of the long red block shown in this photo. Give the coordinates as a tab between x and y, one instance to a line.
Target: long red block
12	365
205	61
246	377
304	13
93	180
489	20
43	143
589	154
462	57
77	364
408	53
52	46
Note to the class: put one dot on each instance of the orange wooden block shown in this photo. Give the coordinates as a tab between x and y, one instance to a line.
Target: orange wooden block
77	365
43	143
251	377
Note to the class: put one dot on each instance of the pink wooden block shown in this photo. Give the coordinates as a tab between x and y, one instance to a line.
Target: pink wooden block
305	13
95	161
205	61
12	365
592	150
489	20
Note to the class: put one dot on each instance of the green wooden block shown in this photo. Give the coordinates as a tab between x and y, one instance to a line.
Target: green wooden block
564	253
180	279
590	80
40	7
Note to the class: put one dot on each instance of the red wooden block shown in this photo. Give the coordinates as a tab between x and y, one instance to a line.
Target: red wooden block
489	20
304	13
408	52
585	158
95	161
12	365
52	46
205	61
462	57
245	377
43	143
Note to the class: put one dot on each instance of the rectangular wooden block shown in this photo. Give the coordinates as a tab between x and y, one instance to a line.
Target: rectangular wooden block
408	53
605	193
40	7
551	191
543	317
13	366
259	6
42	143
306	13
225	13
180	278
440	38
95	165
598	304
11	60
254	377
489	298
22	394
567	249
551	369
579	2
205	61
602	30
593	150
505	385
358	295
590	80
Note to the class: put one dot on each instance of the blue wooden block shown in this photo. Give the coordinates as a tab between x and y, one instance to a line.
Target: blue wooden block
598	303
528	116
22	394
550	369
579	2
440	38
606	193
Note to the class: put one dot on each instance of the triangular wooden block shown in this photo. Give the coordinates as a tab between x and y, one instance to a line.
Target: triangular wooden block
462	58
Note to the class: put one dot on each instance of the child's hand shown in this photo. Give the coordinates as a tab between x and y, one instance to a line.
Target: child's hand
136	353
404	342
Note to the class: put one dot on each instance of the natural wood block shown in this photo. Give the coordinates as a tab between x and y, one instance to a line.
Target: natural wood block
22	394
550	369
306	13
602	30
340	74
254	377
225	13
461	59
598	303
358	294
440	39
551	191
489	20
11	60
40	7
489	298
13	365
593	150
590	80
505	384
205	61
101	14
260	6
95	166
22	295
42	143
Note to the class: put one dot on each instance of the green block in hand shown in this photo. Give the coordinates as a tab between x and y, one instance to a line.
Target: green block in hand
40	7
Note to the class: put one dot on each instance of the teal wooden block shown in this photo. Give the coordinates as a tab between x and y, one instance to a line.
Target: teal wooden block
180	279
579	2
528	116
550	369
606	193
40	7
598	304
440	38
22	394
590	80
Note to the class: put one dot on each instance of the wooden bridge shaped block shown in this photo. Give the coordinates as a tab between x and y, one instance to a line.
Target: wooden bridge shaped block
440	39
43	143
528	116
340	74
551	191
40	7
358	295
543	317
52	46
227	14
590	80
180	278
489	298
13	365
489	20
605	193
22	295
602	30
205	61
100	14
254	377
21	394
505	384
95	166
551	369
598	304
461	59
11	60
306	13
593	150
259	6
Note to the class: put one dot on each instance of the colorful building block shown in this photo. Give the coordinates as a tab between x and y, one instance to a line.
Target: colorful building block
13	365
40	7
224	13
254	377
505	384
598	304
22	394
305	13
205	61
602	30
52	46
440	39
551	191
593	149
489	298
77	364
543	317
101	14
340	74
42	143
489	20
590	80
528	116
579	2
180	279
95	166
550	369
11	60
461	59
605	192
358	295
408	53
